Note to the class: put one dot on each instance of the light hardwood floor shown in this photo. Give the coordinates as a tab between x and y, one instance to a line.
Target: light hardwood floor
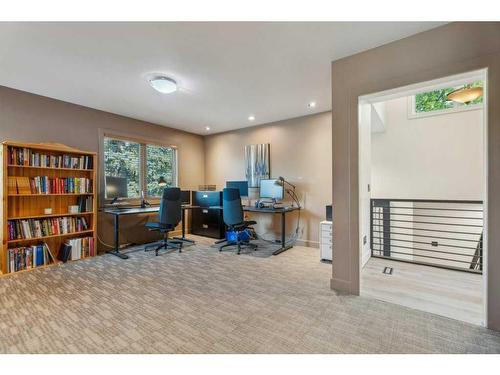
454	294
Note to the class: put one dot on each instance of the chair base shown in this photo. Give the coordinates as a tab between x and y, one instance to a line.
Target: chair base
165	244
239	244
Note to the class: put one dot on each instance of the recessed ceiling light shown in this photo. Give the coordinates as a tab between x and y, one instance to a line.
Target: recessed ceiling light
251	118
312	104
164	85
207	128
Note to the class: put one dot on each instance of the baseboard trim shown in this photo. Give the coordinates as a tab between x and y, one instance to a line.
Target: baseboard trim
340	285
307	243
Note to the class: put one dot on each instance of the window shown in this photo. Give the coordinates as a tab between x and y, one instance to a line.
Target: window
133	166
436	101
160	162
122	160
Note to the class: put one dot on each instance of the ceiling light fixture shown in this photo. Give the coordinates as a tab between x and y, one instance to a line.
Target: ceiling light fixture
251	118
465	94
164	85
311	105
207	128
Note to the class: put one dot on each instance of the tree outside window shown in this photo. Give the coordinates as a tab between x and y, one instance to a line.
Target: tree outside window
160	162
122	159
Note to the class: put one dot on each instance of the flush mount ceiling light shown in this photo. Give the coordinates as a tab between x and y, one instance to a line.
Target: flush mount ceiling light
251	118
164	85
465	95
207	128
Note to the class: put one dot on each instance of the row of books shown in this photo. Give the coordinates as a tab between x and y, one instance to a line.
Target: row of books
28	257
85	204
45	185
28	157
35	228
77	248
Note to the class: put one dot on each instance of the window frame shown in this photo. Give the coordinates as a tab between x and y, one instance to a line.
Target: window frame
143	142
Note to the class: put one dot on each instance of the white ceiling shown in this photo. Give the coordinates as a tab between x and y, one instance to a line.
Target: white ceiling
225	71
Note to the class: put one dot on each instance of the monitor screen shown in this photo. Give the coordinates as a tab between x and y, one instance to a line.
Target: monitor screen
116	187
242	186
186	196
271	189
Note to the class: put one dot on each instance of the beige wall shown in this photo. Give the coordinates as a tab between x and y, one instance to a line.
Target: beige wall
428	157
300	152
27	117
451	49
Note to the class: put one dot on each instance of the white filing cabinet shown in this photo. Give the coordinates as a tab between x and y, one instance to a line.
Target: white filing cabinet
325	240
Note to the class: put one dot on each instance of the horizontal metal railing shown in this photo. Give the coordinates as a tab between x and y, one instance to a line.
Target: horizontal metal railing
441	233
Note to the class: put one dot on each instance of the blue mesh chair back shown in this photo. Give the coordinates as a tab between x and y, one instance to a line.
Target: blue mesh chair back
170	207
232	212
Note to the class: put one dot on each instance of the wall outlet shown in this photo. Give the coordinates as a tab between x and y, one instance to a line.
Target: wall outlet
364	240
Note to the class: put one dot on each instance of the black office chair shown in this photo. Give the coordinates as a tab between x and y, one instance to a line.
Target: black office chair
170	215
232	213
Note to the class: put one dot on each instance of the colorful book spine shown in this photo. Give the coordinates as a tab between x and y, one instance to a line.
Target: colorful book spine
27	157
35	228
28	257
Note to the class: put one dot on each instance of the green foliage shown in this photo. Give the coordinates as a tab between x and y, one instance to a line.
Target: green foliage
159	162
436	100
123	159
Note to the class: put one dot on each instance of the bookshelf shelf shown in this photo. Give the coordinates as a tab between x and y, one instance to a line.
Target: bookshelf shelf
34	268
53	236
43	216
51	168
29	207
48	195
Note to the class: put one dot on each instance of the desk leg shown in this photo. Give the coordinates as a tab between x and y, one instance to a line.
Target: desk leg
116	250
183	224
283	235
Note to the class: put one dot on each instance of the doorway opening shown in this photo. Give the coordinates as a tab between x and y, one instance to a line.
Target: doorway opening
422	196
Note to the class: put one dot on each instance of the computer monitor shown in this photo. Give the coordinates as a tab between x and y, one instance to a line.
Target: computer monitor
242	186
186	196
116	187
272	189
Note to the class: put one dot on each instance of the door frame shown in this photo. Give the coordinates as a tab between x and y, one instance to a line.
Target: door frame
408	90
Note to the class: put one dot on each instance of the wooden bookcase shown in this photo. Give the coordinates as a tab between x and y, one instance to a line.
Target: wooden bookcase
31	206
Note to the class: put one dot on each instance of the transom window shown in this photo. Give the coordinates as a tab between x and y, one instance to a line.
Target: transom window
436	101
132	167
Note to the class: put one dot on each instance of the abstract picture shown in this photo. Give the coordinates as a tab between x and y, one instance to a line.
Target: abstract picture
257	162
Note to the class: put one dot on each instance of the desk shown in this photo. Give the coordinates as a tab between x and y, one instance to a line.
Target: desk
282	212
117	212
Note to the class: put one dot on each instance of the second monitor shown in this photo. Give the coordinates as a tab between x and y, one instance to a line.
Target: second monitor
272	189
242	186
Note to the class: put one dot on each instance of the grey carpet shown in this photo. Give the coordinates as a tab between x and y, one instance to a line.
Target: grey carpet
265	249
203	301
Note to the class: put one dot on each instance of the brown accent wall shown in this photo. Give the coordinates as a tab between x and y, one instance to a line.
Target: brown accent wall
28	117
450	49
300	152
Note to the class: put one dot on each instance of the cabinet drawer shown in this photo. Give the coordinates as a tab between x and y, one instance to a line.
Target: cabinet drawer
326	252
326	227
325	233
326	241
